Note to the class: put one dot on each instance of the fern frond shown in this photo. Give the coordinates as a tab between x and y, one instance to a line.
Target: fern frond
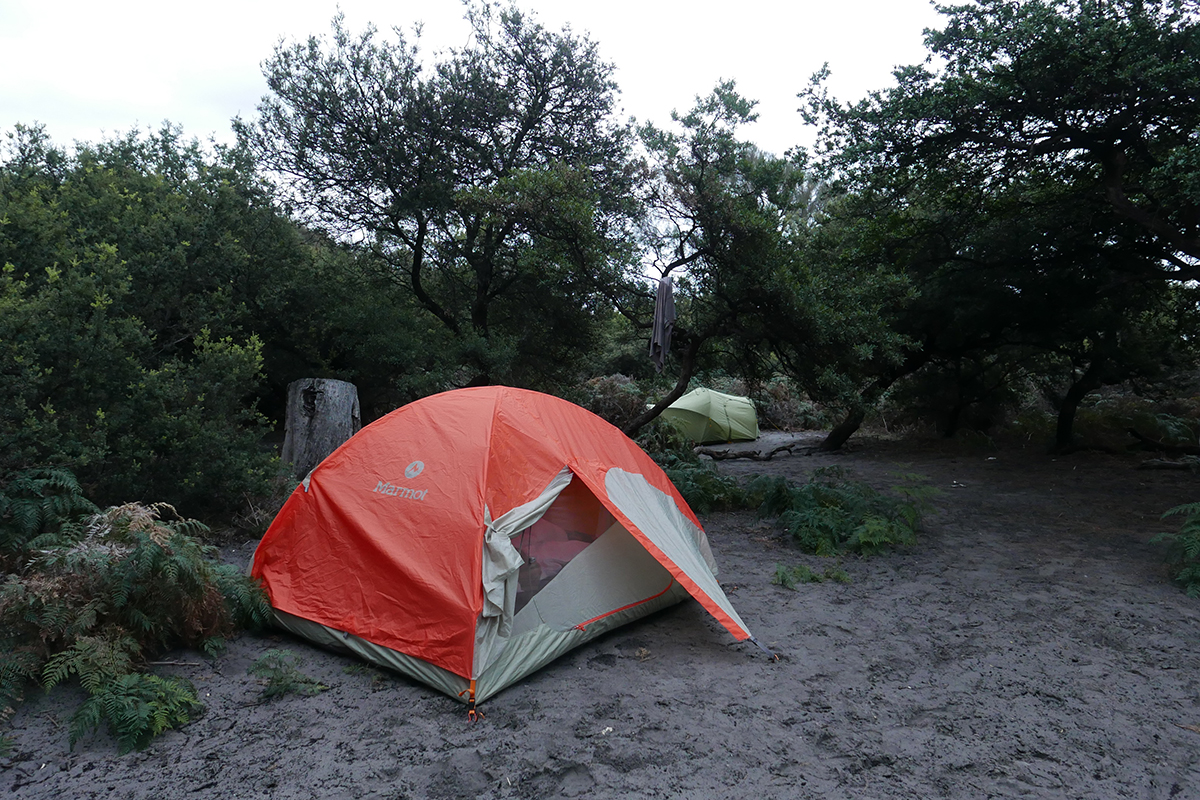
1183	548
1187	509
126	580
18	666
137	708
58	668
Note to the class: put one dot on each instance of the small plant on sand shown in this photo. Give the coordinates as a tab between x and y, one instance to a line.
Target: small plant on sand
97	597
280	672
832	514
379	677
1183	548
791	577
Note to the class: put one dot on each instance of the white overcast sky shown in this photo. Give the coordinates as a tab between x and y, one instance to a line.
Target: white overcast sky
88	68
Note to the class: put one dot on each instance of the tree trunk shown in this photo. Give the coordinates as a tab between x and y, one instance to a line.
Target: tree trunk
952	420
687	368
321	414
844	430
866	398
1064	434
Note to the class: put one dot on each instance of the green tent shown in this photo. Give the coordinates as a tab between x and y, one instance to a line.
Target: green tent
707	417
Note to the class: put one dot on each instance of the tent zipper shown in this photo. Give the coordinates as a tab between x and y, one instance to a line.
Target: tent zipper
583	625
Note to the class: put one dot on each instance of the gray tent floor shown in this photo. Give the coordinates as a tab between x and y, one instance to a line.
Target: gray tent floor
1028	646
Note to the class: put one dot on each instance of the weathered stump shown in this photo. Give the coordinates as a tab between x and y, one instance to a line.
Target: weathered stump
321	414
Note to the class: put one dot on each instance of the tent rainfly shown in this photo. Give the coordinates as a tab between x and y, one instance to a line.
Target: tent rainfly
707	417
470	538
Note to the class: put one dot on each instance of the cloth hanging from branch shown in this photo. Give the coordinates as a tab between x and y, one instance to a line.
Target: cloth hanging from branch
664	323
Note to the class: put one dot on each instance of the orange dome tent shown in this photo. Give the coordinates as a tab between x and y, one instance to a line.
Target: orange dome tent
471	537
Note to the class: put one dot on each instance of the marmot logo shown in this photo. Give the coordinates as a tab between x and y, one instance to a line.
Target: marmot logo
400	491
414	469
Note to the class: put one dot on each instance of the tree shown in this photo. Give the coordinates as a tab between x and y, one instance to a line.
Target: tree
716	207
1099	95
735	225
493	185
1034	187
1029	283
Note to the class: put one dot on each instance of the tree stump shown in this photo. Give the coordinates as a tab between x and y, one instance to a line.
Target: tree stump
321	414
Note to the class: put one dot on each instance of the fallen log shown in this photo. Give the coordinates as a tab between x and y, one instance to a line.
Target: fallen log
754	455
1146	443
1190	463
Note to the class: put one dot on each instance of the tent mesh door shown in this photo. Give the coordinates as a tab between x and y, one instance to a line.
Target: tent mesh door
573	521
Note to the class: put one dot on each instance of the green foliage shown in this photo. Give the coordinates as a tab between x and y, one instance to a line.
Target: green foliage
1058	89
136	708
614	398
702	486
126	275
37	503
664	442
734	227
132	580
837	575
831	514
1183	548
704	489
1002	179
790	577
780	404
279	669
1174	429
916	497
1105	422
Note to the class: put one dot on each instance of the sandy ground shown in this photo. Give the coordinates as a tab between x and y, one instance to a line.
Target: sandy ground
1029	646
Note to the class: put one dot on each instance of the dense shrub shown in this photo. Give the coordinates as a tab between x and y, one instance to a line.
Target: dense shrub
35	505
92	394
1105	421
702	486
704	489
125	270
781	405
613	398
663	441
